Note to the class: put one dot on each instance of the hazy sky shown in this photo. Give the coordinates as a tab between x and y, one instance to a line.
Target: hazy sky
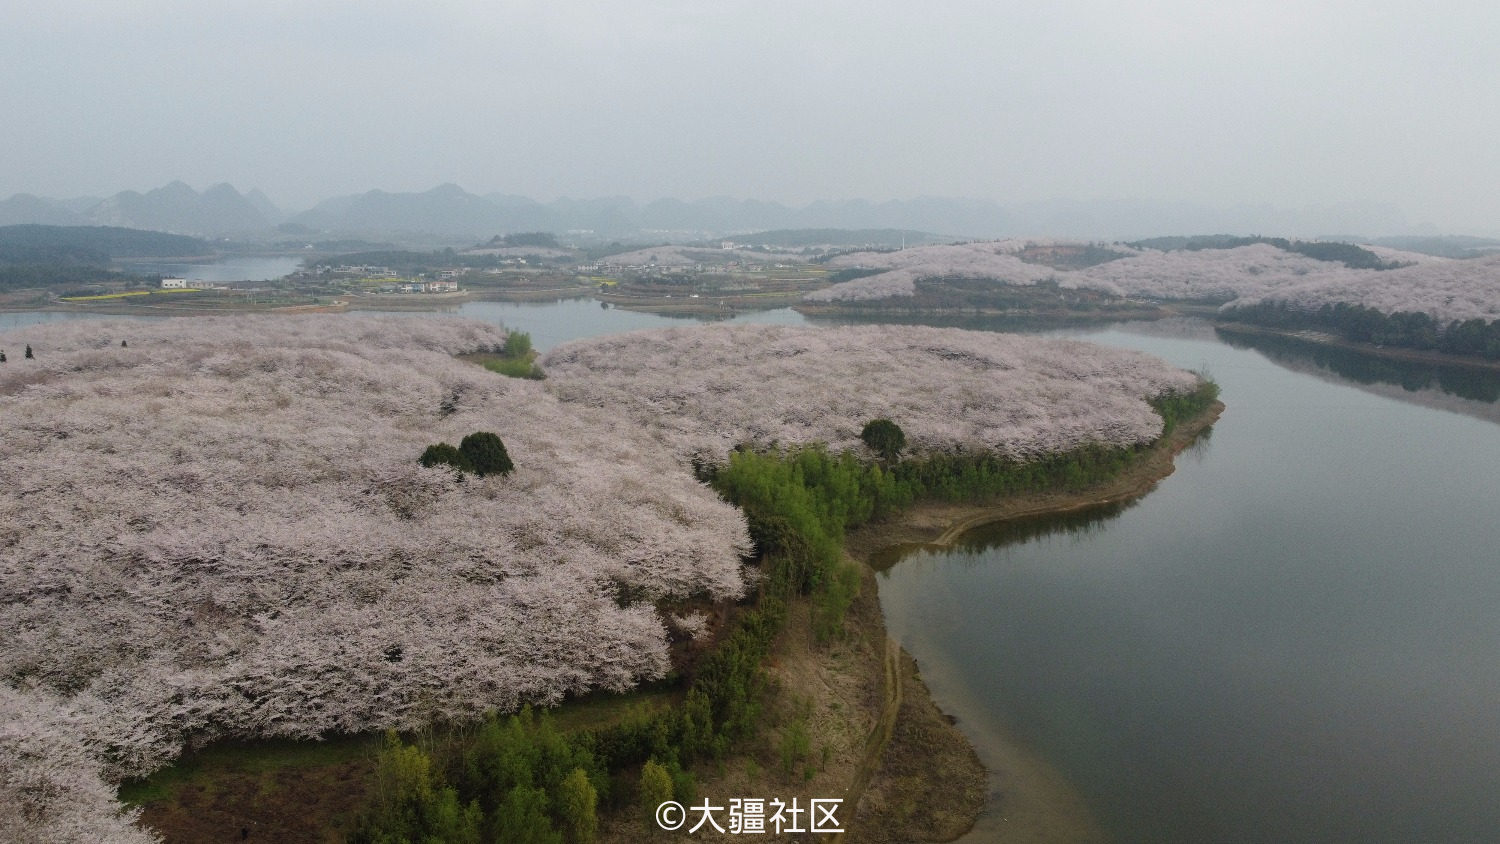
1288	103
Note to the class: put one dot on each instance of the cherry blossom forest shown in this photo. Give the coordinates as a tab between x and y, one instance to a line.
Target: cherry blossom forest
218	527
1445	288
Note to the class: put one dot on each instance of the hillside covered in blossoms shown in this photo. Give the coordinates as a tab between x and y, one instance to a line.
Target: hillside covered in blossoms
1388	280
706	390
222	529
219	528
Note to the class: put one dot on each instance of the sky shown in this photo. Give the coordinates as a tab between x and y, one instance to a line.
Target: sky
1292	104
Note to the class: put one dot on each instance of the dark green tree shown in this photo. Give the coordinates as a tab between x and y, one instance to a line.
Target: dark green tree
884	437
2	357
29	355
486	454
445	454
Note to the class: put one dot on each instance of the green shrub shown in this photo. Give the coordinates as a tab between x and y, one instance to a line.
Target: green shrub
486	454
446	455
515	368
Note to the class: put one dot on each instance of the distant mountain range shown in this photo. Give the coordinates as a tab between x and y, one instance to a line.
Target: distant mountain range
176	208
449	213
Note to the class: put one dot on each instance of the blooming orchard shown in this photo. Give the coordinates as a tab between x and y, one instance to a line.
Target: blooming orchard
222	528
1448	289
705	390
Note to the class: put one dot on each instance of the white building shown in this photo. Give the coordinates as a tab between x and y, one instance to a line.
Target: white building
173	283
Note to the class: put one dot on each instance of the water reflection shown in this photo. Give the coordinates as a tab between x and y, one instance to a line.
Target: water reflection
1079	523
238	268
1461	389
1012	324
999	534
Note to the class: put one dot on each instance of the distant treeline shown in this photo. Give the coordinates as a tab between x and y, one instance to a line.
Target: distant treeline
792	238
543	239
79	279
405	261
413	262
54	256
106	242
1351	256
1406	329
851	273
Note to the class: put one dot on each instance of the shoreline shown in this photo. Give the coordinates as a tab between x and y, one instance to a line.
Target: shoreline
1061	316
932	775
940	524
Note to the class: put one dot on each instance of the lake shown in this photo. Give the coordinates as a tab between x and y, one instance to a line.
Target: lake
244	268
1294	638
552	323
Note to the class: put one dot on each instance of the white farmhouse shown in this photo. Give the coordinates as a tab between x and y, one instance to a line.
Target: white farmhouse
173	283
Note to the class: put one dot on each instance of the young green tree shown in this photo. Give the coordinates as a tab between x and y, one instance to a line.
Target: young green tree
517	344
522	816
410	802
656	789
697	724
486	454
884	437
796	746
577	807
451	822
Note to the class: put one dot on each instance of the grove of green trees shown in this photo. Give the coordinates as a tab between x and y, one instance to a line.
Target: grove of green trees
1413	330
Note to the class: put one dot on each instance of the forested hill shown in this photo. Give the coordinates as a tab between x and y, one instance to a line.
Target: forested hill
37	244
37	256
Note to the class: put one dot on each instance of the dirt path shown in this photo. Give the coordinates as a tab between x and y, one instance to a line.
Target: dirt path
880	737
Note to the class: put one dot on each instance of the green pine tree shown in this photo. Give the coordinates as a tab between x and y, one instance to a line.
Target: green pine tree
486	453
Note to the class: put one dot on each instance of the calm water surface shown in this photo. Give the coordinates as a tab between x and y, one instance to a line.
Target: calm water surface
1296	637
248	268
552	323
